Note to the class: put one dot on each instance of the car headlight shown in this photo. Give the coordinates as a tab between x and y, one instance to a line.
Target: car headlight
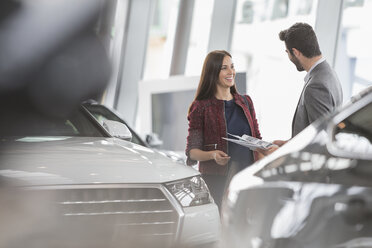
190	192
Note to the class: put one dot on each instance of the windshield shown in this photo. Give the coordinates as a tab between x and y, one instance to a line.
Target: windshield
32	123
354	134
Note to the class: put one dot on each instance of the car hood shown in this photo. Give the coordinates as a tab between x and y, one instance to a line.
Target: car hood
88	160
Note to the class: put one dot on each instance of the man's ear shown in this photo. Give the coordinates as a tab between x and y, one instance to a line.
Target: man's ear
296	52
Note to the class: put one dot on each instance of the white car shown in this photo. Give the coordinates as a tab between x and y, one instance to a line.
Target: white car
70	183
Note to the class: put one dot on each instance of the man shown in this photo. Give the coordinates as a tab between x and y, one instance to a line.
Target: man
322	91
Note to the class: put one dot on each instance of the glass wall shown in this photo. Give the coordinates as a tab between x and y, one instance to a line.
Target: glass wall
114	51
272	80
161	39
199	38
354	54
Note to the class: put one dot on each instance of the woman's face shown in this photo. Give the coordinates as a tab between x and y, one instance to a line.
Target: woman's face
227	73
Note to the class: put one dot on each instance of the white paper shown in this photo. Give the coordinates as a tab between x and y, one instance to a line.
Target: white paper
249	141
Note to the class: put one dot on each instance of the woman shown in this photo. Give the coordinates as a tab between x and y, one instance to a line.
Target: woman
219	109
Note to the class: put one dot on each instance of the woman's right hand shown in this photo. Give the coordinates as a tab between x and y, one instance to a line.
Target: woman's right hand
220	157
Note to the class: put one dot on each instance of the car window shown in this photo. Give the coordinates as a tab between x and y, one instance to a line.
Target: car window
33	123
354	134
102	113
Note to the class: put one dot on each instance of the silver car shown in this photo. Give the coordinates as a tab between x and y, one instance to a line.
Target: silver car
67	182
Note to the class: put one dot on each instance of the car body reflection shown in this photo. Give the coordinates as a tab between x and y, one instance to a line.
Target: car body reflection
315	191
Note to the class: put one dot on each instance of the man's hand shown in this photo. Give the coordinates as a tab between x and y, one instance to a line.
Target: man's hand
269	150
280	142
220	157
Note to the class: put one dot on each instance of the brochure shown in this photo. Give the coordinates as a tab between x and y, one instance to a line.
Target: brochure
249	141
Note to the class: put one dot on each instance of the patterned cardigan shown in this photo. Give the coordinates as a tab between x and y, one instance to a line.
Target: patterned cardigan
207	126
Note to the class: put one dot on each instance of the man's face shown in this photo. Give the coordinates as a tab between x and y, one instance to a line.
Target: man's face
295	61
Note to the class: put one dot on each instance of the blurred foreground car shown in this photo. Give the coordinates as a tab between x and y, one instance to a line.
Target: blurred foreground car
66	182
315	191
102	113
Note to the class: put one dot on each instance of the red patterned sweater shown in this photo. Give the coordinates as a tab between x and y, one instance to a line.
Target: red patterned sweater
207	126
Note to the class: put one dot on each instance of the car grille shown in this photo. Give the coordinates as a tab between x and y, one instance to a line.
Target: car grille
111	217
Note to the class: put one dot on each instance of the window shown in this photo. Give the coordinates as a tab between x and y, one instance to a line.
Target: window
354	134
35	123
354	54
280	9
161	38
272	80
199	37
101	113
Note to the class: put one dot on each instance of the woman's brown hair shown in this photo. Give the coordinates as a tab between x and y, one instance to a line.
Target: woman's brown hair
210	75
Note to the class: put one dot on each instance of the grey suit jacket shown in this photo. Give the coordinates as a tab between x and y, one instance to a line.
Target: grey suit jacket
321	94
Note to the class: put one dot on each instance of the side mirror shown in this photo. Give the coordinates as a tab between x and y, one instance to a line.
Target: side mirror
153	140
117	129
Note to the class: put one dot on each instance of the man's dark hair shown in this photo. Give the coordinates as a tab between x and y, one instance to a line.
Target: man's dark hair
302	37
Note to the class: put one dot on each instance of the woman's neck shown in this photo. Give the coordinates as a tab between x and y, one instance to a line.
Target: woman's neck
224	94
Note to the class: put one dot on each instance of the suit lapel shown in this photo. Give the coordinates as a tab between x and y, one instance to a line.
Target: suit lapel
298	103
307	82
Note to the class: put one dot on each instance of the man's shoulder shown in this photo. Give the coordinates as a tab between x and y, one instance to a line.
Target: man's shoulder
323	74
324	82
322	70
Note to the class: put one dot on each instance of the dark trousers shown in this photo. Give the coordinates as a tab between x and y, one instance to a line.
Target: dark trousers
218	184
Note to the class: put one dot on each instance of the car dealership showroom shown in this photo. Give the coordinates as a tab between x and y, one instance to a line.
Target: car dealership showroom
185	123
